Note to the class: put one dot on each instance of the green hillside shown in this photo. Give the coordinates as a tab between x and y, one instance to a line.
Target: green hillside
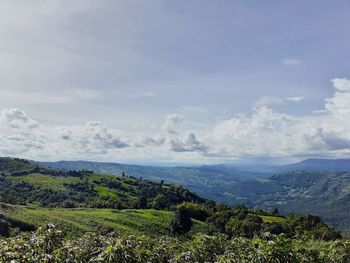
316	186
323	193
71	189
75	222
80	216
210	181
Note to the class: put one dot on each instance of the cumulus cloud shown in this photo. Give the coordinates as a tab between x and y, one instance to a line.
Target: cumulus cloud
176	141
339	104
22	135
171	122
295	99
15	118
270	133
264	133
341	84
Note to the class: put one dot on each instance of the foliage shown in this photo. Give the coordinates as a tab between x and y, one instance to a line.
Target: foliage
240	221
181	222
48	245
11	226
71	189
316	186
75	222
324	193
198	211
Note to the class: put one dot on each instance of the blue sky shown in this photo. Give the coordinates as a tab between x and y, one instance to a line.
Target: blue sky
174	81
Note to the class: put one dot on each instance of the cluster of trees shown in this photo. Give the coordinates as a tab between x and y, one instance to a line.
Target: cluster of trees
132	192
48	245
242	222
10	165
11	227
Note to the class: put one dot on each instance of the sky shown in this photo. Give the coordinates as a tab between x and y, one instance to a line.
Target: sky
163	81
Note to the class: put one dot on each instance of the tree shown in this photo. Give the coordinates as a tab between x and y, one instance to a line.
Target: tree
159	202
275	212
4	227
142	202
181	222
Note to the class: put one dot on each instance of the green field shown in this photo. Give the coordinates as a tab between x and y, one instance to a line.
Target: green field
75	222
273	219
51	182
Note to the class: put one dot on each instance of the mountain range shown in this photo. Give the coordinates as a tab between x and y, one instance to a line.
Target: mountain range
318	186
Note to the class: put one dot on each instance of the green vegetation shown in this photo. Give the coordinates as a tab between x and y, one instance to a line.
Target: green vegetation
76	222
47	245
323	193
316	186
241	221
181	223
212	182
107	218
72	189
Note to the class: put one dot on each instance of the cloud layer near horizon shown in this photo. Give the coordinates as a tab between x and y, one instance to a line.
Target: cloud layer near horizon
266	133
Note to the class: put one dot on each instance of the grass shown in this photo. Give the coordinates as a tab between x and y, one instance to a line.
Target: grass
75	222
273	219
56	183
51	182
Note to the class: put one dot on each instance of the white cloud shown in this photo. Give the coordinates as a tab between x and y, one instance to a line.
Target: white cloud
339	104
270	133
341	84
295	99
15	118
266	133
171	122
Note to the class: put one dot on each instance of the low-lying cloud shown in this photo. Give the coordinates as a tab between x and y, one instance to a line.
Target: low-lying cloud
265	133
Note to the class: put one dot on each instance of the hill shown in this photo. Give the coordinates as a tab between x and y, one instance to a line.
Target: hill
69	189
323	193
209	181
78	221
31	189
317	186
337	165
167	223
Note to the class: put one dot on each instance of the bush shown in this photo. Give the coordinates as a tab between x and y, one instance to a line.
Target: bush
181	222
47	245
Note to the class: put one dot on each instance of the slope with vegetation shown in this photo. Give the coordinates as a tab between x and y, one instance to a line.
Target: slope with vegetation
209	181
78	221
323	193
56	188
317	186
107	218
47	245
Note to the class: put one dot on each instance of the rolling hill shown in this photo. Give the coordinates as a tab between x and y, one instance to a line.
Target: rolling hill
209	181
30	183
82	216
323	193
78	221
83	201
336	165
318	186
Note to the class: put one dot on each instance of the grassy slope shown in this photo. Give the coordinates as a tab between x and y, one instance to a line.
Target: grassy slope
75	222
47	181
57	183
322	193
212	182
273	219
